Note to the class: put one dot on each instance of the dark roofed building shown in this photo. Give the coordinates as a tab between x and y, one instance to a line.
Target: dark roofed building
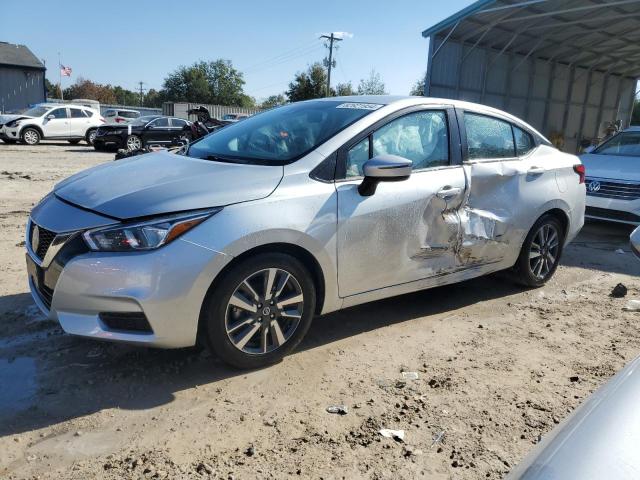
21	78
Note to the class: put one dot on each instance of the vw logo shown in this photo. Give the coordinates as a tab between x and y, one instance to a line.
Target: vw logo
594	186
35	238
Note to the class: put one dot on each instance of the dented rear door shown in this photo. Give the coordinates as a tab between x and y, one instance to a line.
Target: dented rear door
505	189
408	230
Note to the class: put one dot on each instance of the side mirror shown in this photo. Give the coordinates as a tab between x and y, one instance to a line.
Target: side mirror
51	117
589	149
383	168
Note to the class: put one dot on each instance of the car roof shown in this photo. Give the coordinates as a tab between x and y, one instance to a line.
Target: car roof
402	101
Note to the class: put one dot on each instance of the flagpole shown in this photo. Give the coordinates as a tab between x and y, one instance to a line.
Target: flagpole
60	81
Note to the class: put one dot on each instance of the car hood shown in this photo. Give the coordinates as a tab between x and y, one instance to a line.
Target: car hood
615	167
162	182
8	118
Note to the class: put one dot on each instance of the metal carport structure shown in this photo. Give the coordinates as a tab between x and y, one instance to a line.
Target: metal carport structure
565	66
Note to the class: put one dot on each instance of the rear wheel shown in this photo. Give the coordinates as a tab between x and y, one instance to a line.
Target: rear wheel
260	310
541	252
90	136
30	136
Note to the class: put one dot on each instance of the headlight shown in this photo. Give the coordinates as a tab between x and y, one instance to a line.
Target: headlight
14	123
144	235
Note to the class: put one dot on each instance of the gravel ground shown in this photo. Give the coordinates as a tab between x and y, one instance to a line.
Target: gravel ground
497	368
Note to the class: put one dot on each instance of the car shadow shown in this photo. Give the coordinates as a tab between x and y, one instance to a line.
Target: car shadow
603	246
55	377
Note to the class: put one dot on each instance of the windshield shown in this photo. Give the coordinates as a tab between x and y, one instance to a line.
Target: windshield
626	144
36	111
280	135
141	121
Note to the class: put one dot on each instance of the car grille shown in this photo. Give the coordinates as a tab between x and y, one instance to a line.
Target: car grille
613	189
46	294
45	238
612	214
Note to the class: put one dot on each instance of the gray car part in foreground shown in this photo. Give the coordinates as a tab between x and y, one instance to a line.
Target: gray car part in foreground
345	240
599	440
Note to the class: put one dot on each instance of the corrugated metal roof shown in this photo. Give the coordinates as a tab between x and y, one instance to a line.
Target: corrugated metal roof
18	55
596	34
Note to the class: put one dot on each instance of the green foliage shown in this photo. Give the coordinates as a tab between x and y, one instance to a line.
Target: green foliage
345	89
273	101
53	90
418	87
309	84
216	82
635	116
373	85
87	89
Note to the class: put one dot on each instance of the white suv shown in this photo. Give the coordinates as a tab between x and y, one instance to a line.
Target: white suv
53	122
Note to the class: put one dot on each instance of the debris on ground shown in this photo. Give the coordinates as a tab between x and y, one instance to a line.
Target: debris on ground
337	409
397	435
575	378
437	438
632	306
619	291
410	375
620	251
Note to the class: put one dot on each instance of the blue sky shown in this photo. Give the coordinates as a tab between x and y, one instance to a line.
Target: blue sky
123	42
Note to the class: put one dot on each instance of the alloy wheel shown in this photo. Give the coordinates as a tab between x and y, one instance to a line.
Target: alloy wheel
31	137
133	143
92	136
543	253
264	311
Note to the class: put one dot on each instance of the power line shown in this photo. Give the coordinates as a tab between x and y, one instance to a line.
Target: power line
287	53
284	60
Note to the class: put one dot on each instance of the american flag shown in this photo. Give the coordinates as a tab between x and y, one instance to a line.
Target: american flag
65	71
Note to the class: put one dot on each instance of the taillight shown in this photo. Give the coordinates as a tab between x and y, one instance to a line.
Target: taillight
119	119
102	120
581	171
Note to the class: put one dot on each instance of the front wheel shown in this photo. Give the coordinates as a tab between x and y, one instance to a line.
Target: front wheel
31	136
134	142
259	311
541	251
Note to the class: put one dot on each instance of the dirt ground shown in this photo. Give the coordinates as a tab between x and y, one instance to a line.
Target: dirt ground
497	367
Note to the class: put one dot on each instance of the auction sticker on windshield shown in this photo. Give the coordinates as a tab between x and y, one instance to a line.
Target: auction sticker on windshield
360	106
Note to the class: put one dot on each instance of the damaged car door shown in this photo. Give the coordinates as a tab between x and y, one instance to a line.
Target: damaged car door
407	230
507	185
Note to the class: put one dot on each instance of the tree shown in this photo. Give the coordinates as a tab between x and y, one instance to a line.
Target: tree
418	87
125	97
153	98
90	90
273	101
309	84
372	85
635	115
53	90
216	82
344	89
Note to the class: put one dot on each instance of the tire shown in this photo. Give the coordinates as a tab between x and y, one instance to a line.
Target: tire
9	141
247	339
89	137
540	253
134	142
30	136
73	142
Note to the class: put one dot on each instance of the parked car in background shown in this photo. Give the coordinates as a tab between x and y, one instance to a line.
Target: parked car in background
53	122
301	210
143	131
613	178
234	117
116	116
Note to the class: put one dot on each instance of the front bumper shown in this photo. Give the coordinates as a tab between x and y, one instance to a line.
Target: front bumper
165	287
109	140
613	210
10	133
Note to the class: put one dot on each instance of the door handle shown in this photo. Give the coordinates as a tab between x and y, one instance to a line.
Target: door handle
536	170
448	192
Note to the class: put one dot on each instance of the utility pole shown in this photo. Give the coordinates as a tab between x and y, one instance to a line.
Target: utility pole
141	92
332	38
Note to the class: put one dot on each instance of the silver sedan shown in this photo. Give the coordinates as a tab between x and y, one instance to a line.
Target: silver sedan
296	212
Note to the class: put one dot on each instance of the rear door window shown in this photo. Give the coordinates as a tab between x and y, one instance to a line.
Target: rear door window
524	141
488	138
76	113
